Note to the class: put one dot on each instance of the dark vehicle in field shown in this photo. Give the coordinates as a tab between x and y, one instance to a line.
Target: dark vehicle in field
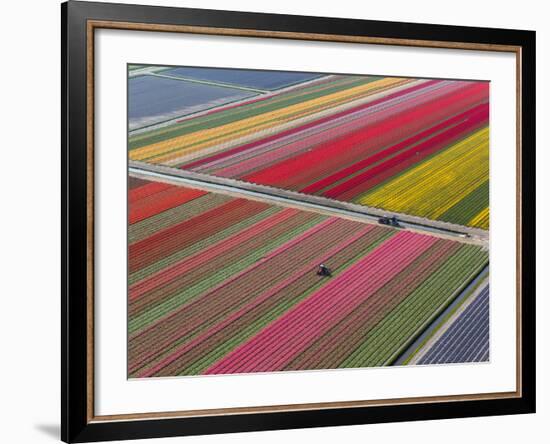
391	221
323	270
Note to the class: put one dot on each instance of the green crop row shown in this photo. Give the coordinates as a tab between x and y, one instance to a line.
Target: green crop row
398	326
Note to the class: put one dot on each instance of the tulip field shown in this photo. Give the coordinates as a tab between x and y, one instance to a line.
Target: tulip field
412	146
464	165
289	221
220	285
464	338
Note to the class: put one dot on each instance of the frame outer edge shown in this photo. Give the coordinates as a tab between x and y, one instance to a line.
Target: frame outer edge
64	317
528	221
74	263
76	426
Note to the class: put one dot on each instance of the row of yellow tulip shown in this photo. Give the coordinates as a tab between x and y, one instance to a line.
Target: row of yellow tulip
440	183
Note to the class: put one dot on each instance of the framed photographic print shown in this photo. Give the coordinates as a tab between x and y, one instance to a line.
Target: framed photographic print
276	221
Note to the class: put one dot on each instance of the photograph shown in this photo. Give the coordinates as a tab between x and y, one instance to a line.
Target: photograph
286	221
243	222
